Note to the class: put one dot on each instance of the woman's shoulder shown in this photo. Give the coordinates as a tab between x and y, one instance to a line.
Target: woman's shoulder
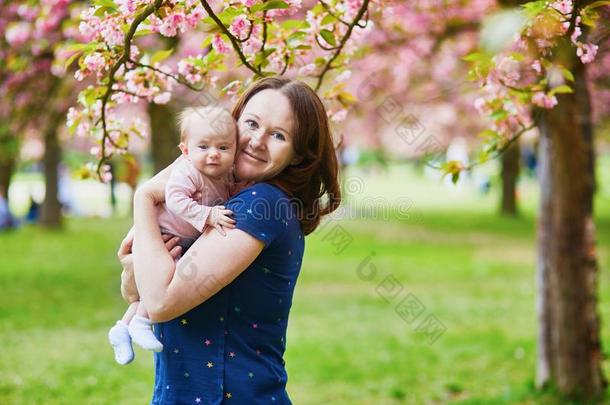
261	190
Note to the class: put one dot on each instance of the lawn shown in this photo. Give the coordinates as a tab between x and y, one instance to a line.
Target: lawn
469	270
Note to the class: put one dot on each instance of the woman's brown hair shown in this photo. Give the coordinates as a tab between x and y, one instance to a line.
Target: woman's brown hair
316	176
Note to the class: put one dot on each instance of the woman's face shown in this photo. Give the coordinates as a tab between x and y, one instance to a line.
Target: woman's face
266	135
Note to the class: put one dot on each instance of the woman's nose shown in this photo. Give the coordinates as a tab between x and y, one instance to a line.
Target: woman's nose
255	140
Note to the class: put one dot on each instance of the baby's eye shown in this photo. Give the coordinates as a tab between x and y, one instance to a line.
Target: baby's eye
224	148
203	147
278	135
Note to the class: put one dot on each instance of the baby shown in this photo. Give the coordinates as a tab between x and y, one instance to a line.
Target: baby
201	179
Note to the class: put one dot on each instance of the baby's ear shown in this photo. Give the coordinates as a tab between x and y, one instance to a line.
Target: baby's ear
183	148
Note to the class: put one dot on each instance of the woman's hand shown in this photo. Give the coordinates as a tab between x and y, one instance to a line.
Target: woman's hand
129	290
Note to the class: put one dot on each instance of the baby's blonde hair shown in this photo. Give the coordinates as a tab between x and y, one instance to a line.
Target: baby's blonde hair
219	119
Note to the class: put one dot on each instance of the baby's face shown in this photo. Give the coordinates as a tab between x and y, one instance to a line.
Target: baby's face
210	150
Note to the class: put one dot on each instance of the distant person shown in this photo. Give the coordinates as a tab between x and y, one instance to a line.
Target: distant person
7	221
33	212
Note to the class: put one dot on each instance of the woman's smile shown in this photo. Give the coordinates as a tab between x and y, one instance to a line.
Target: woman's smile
253	157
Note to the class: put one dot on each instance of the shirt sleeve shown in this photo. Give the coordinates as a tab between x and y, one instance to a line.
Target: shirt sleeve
261	211
181	186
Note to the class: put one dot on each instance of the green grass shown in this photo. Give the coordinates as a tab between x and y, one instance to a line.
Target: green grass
470	268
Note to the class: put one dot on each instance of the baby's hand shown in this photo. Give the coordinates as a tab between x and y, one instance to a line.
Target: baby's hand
220	217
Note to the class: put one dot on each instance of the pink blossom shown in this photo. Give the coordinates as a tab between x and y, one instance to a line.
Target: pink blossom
27	12
307	69
544	100
253	44
195	16
248	3
481	105
508	69
536	66
293	7
79	75
219	45
127	7
190	72
162	98
563	6
72	116
89	29
339	116
343	76
105	175
94	62
112	33
577	33
586	52
240	26
17	34
172	24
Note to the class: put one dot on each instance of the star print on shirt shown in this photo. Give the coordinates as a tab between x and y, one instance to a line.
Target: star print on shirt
207	342
210	364
229	395
183	321
231	354
198	400
250	374
176	351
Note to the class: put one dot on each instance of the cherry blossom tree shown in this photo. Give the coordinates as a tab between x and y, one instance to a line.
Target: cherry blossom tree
541	81
33	94
258	37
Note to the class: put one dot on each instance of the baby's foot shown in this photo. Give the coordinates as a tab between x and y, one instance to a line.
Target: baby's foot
141	332
121	343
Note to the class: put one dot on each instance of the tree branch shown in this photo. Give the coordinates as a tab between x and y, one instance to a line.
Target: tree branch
233	40
151	8
347	35
171	76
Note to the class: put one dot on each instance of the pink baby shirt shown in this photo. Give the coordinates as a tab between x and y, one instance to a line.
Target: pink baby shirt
181	215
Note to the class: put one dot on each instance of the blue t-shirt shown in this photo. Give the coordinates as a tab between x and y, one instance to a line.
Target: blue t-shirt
230	348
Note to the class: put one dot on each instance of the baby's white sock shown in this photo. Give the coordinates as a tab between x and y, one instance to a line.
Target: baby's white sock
140	329
121	343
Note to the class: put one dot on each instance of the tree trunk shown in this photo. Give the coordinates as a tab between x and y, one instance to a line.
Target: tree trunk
7	167
164	135
510	174
544	308
9	150
51	208
570	352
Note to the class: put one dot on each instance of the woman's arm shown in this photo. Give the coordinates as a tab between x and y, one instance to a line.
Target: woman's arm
210	264
129	291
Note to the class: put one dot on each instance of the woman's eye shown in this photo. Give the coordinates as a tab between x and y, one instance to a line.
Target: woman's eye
251	124
279	135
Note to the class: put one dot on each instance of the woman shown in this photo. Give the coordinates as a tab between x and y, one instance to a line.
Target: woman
222	310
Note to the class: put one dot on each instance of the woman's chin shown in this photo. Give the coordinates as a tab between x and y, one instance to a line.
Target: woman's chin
245	172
